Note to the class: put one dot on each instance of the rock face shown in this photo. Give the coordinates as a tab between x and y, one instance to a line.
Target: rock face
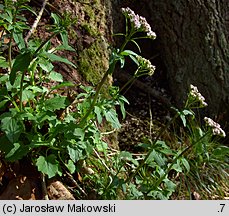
192	39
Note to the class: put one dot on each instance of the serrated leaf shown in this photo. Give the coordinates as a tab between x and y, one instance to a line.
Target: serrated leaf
101	146
27	95
177	167
56	103
12	128
54	58
48	165
21	63
112	117
54	76
155	156
75	153
78	132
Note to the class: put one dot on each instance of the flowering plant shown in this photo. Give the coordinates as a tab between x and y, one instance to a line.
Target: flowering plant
138	23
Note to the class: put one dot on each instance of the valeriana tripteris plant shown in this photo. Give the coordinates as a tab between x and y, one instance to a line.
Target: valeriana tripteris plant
216	128
134	24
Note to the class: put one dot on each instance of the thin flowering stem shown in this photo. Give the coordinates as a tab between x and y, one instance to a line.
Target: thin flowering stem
160	180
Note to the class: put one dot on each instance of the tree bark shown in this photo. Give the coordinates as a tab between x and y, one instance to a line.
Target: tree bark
193	45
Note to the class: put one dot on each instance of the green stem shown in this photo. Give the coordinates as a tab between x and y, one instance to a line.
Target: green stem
127	83
152	148
21	91
11	39
98	89
159	181
44	42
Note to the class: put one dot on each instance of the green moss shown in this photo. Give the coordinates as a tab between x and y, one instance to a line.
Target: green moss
93	62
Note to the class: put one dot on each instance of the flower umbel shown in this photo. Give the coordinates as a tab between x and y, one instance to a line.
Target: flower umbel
196	94
139	22
144	67
216	129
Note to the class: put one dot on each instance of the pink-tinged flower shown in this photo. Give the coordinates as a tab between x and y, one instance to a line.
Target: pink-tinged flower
196	94
138	22
216	129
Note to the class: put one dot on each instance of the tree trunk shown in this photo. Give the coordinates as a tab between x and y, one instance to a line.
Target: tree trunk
193	45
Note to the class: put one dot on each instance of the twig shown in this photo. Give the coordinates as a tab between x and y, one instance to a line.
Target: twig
31	31
76	184
44	188
101	160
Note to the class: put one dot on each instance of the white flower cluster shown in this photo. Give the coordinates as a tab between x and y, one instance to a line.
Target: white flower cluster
145	65
216	129
139	22
196	94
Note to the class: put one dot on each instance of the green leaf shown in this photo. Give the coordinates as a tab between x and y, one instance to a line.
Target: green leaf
78	132
155	156
183	118
127	156
56	18
101	146
111	116
48	165
27	95
57	77
63	84
177	166
12	128
3	62
19	40
128	53
75	153
187	112
56	103
45	65
21	63
2	103
71	166
186	164
17	152
54	58
97	111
